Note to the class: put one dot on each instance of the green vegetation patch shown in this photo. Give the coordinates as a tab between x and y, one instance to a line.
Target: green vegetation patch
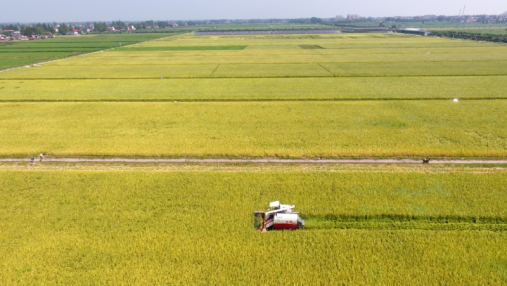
311	47
11	52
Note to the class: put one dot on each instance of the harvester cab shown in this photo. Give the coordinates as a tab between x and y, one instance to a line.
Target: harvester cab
280	217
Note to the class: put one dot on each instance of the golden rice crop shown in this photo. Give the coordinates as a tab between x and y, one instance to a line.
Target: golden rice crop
368	226
363	55
100	72
343	41
297	51
269	58
378	69
271	70
417	68
85	227
256	129
238	89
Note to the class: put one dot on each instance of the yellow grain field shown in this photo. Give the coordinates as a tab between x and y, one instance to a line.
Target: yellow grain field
256	129
180	228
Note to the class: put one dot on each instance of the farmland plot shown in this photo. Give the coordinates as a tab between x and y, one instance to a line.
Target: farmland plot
122	227
256	129
256	89
268	57
259	68
121	72
106	59
15	54
384	95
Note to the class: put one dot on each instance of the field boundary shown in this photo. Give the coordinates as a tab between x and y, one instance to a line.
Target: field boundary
326	69
176	99
258	161
214	71
272	63
247	77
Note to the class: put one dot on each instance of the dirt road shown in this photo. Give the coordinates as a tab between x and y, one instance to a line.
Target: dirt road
258	161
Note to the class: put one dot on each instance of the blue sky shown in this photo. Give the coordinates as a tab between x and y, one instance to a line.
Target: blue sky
95	10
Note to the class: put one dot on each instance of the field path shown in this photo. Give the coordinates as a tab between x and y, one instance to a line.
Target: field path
256	161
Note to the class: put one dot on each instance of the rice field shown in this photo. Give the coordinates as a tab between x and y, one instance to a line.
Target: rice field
356	96
20	53
256	89
281	57
277	85
156	227
259	57
256	129
486	68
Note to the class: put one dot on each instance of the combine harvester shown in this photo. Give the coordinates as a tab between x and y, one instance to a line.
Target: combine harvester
281	217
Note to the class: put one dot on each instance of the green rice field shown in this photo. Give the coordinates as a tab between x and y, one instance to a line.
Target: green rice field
20	53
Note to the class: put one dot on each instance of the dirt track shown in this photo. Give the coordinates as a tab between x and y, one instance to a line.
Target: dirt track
257	161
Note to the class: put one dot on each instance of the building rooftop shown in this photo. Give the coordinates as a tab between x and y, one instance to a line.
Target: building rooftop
412	29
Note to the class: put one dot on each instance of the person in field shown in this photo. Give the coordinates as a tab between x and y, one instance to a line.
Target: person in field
41	157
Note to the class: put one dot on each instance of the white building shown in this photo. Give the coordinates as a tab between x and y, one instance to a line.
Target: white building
352	17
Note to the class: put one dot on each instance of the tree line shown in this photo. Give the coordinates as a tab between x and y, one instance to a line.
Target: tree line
38	29
472	36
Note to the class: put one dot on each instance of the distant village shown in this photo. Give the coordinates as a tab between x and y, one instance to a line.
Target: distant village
46	31
460	18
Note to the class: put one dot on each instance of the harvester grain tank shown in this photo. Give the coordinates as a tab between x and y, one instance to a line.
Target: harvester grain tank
281	217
